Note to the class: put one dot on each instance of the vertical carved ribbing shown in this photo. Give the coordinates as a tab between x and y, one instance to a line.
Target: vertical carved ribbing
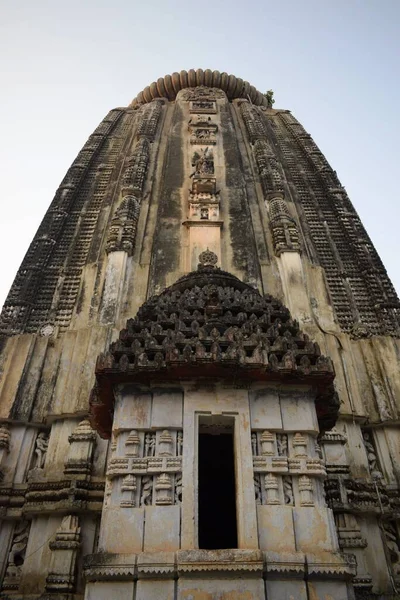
122	232
285	235
361	292
150	118
268	167
59	249
255	125
136	167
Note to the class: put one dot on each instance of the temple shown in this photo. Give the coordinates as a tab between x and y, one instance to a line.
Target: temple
200	389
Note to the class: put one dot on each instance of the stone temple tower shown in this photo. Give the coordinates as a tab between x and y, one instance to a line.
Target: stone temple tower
200	383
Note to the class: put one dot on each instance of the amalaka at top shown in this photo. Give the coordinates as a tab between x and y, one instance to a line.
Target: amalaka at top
170	85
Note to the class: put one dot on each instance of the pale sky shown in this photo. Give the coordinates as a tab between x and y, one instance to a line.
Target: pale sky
63	65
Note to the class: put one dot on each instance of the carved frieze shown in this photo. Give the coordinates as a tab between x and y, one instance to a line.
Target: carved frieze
203	206
202	93
203	131
345	493
201	106
281	468
150	472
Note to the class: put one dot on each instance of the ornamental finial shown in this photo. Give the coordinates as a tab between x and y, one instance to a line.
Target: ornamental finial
207	259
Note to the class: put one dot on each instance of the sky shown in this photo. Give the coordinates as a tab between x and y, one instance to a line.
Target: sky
63	65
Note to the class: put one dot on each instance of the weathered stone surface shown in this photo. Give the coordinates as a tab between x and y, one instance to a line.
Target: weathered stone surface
262	313
120	590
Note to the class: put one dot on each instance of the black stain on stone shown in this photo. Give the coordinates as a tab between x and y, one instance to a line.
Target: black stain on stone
167	244
240	223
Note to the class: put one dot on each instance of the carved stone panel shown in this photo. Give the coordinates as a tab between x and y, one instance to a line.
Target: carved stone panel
203	106
65	547
16	556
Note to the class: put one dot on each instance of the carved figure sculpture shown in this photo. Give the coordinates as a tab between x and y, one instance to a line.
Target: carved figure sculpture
147	491
371	454
392	543
150	444
178	488
257	488
282	443
179	443
254	443
203	163
41	445
16	555
288	490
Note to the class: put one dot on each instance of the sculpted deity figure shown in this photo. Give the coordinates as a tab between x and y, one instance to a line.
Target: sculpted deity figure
202	133
254	443
371	453
392	543
179	443
203	163
41	445
257	488
288	490
147	491
16	555
149	444
282	444
178	489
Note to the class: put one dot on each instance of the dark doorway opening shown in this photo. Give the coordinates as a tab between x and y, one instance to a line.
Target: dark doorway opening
217	495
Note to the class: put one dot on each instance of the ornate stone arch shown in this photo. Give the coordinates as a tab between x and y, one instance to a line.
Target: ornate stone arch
209	325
